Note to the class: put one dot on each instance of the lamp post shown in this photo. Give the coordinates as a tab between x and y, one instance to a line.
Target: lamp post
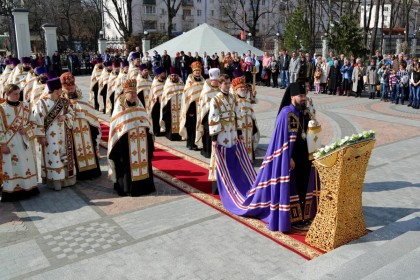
383	44
414	44
398	42
101	42
250	41
369	42
325	45
276	44
146	41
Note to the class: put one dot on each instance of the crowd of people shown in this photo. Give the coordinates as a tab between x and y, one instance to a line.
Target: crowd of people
393	78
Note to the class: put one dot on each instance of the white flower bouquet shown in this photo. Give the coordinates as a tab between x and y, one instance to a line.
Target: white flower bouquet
357	137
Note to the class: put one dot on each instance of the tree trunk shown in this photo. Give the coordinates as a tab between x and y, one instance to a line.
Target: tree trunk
375	29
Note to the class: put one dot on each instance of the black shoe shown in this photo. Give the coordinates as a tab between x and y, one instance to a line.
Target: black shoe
301	226
121	193
409	105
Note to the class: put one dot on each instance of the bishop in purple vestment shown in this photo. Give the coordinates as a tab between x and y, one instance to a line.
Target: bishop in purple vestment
282	192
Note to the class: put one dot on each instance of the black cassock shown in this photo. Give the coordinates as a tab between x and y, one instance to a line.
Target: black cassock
103	96
190	125
120	154
167	117
140	95
155	119
206	139
95	93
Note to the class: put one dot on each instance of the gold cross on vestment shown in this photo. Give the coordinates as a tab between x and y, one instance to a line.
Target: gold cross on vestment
293	122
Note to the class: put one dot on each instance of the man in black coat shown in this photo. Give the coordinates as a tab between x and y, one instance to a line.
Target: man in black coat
166	62
206	65
56	63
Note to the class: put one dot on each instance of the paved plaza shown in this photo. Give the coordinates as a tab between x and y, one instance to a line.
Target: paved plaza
88	232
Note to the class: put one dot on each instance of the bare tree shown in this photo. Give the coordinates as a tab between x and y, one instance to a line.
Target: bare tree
311	19
407	4
6	8
121	14
245	15
395	8
172	7
375	28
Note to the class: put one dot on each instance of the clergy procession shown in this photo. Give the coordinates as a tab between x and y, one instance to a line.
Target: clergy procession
44	119
50	131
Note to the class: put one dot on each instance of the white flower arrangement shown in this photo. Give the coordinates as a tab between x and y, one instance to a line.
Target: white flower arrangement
357	137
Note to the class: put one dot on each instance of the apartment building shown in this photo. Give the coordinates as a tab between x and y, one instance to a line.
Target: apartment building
151	16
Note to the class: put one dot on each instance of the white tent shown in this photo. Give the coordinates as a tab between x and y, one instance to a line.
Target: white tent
205	38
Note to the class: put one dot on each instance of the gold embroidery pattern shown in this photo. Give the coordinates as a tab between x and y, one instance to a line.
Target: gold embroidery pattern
293	122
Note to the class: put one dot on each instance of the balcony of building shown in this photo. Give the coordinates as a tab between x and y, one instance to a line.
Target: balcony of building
188	18
188	4
149	2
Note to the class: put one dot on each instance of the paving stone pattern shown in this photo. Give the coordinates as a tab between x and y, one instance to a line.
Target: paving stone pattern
84	240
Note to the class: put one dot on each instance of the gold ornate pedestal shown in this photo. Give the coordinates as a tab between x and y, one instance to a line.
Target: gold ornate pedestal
340	216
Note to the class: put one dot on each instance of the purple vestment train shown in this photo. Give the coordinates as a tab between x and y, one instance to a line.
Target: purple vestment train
271	195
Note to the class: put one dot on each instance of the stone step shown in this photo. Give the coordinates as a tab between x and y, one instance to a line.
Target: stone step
319	267
374	260
406	267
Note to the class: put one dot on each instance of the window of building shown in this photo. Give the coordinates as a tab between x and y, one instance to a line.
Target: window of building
386	9
199	13
162	11
149	24
198	1
162	26
212	13
263	16
173	26
148	9
186	12
262	2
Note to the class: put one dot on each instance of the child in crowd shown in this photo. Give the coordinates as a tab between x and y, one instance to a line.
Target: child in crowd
393	81
383	73
403	79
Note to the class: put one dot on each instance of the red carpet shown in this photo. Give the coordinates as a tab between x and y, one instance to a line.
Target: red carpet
176	168
190	176
105	132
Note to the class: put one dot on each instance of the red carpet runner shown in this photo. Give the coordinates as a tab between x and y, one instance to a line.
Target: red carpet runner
105	132
190	176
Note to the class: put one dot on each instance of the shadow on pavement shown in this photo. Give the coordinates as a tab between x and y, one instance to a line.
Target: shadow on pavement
387	186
